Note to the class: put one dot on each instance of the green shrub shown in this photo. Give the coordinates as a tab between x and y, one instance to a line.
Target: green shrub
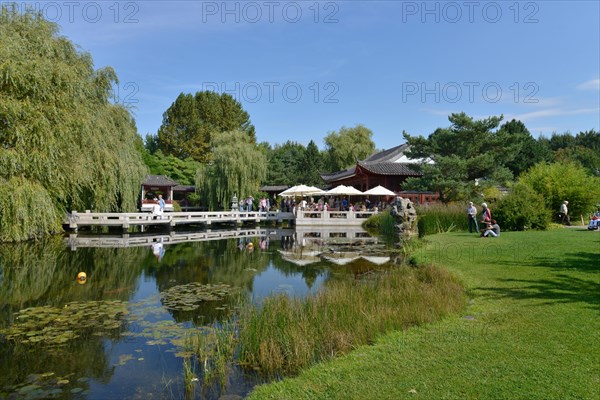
194	199
564	181
176	206
522	209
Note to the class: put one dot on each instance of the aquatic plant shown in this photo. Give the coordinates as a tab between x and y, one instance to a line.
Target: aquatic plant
287	334
188	297
55	327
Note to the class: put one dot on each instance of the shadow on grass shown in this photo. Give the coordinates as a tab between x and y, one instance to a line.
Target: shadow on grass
528	256
563	287
581	262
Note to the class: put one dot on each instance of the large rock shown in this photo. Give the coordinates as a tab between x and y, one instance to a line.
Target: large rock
405	215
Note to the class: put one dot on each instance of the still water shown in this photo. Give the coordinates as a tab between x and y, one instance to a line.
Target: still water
118	332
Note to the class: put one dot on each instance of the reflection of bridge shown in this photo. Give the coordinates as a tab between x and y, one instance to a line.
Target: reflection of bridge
301	218
337	234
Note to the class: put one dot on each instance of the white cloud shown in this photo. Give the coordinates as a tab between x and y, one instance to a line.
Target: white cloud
551	112
594	84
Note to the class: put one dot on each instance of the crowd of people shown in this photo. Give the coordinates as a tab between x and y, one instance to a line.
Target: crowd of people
333	203
489	226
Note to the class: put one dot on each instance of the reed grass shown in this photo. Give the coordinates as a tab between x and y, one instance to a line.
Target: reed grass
189	377
441	218
382	224
214	348
287	334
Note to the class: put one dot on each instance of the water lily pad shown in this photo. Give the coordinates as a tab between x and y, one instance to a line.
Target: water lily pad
188	297
56	326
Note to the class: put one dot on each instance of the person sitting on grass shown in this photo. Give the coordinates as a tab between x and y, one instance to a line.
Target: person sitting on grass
492	229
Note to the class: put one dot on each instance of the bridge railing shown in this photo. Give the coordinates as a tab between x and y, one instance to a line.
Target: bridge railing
76	219
309	217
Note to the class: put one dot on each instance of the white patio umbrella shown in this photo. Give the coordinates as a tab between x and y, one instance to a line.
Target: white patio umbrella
286	191
301	190
379	191
343	189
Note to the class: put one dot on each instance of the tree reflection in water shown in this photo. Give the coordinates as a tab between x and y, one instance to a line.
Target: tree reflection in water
43	273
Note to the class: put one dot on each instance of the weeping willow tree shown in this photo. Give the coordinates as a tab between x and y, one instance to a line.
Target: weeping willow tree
63	144
238	166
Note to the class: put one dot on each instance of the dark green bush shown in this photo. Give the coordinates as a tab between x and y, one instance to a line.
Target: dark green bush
522	209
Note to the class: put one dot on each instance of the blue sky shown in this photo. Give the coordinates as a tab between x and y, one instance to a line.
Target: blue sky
305	68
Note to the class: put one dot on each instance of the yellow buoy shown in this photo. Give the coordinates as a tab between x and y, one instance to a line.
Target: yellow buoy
81	278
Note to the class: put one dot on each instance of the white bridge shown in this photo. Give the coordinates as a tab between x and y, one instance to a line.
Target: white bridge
126	220
75	220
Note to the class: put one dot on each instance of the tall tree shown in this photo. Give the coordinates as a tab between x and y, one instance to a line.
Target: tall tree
182	171
285	163
527	150
468	150
63	145
311	165
584	148
192	120
238	167
347	146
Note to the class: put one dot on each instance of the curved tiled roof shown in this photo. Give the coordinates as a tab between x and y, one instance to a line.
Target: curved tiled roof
273	188
159	180
387	155
390	168
335	176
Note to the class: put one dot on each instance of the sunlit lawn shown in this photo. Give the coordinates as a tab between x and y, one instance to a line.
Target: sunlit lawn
531	329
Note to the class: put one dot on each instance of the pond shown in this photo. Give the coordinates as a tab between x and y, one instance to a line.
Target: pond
118	330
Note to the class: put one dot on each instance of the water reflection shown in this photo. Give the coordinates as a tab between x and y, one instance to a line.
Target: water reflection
137	356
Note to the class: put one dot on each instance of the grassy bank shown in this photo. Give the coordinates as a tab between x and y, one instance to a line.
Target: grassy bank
286	334
531	329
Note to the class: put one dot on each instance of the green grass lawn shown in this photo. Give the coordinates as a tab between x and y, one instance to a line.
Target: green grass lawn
531	329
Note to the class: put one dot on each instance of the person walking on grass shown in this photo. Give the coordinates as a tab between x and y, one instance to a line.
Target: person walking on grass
472	215
564	213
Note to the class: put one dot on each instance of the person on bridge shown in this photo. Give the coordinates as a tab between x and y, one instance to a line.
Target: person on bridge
161	202
156	210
